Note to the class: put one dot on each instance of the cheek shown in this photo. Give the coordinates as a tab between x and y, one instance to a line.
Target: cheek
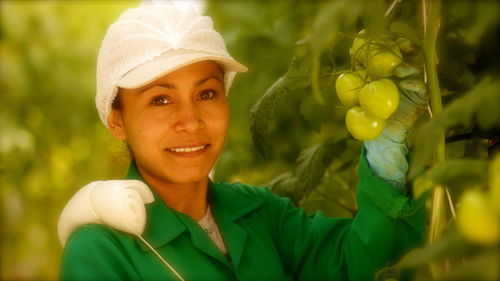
141	126
222	121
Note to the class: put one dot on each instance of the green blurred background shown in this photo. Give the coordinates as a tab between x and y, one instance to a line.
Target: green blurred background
52	142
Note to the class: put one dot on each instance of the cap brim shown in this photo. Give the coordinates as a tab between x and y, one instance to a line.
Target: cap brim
162	65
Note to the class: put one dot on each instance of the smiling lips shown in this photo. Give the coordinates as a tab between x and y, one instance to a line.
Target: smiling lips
187	149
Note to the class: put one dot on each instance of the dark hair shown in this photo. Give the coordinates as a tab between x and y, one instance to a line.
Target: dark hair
117	101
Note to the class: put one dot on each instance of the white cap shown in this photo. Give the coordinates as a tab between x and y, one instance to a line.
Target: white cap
152	40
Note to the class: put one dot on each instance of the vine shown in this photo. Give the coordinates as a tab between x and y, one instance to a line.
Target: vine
431	13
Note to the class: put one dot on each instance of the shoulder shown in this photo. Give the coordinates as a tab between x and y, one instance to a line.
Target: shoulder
94	230
94	236
93	240
95	251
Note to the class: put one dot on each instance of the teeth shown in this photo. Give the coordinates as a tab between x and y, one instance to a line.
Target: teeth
187	149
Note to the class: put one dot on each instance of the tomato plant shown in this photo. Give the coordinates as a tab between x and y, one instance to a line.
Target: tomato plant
295	50
453	45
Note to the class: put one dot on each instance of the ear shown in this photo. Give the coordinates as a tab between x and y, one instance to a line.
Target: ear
116	125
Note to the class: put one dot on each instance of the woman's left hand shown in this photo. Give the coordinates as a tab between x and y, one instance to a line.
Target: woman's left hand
387	153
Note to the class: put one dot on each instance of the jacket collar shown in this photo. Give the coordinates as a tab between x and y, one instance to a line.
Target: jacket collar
232	200
162	224
228	204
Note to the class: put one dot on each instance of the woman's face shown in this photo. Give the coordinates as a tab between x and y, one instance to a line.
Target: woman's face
176	125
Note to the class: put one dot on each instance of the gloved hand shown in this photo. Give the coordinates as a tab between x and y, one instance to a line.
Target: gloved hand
387	153
116	203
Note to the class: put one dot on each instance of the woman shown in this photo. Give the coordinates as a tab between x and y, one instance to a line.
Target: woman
162	77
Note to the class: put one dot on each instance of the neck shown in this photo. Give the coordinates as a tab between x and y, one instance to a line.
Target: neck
188	198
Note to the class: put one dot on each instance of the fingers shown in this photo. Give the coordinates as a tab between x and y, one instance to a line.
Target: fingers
415	90
405	70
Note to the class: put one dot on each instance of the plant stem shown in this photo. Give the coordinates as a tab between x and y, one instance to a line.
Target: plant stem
436	227
315	69
432	22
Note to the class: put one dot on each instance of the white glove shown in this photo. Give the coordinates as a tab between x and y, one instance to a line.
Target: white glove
116	203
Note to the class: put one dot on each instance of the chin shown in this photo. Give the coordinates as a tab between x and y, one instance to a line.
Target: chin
187	178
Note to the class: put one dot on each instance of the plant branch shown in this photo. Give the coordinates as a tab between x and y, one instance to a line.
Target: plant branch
432	21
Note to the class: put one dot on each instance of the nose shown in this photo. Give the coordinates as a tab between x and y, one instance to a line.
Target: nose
188	118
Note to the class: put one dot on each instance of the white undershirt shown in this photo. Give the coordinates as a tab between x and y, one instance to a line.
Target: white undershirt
208	224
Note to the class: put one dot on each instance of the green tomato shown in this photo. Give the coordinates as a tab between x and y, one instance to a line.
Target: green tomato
382	62
348	86
476	220
359	47
380	98
362	125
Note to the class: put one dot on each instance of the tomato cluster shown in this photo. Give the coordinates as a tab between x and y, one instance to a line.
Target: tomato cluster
369	93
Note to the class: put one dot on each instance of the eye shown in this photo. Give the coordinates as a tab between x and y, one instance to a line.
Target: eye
207	94
161	100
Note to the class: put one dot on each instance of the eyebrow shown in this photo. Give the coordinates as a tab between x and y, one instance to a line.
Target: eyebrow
171	86
203	80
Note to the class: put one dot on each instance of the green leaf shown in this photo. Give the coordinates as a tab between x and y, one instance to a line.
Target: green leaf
263	112
481	266
373	16
486	13
338	197
285	185
312	164
299	70
478	105
333	17
453	173
314	113
450	244
488	113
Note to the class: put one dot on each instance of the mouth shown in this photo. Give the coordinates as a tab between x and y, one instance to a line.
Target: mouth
189	150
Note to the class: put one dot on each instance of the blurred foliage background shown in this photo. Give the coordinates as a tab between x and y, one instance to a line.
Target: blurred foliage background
52	142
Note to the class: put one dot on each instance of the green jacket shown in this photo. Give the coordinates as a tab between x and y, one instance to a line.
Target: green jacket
266	237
